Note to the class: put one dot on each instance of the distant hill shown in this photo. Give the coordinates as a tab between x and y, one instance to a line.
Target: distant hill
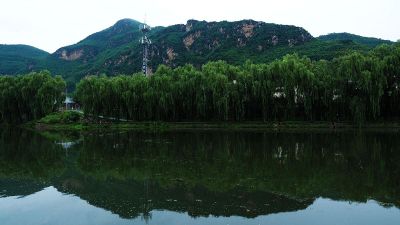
368	41
92	55
116	50
16	59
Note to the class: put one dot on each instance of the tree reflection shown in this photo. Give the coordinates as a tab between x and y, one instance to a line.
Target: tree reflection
204	173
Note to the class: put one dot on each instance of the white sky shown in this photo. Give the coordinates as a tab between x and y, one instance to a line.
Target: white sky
51	24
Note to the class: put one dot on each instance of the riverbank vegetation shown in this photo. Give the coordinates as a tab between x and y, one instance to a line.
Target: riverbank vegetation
355	87
64	117
30	97
358	87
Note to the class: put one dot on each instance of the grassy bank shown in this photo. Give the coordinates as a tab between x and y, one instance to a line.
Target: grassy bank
74	121
209	126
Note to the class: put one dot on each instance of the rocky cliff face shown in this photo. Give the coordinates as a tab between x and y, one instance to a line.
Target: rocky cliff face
197	42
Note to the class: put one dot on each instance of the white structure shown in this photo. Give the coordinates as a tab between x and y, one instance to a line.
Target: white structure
70	104
146	42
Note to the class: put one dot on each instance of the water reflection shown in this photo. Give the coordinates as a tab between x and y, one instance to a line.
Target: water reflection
201	174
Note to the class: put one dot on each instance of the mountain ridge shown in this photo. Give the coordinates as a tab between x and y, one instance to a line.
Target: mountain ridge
116	49
343	36
19	58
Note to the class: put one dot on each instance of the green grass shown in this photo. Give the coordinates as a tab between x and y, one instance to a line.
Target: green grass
253	125
75	121
65	117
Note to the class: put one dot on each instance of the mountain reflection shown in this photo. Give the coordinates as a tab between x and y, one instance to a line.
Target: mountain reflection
203	173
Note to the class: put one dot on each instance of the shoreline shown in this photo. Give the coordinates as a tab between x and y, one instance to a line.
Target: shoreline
250	125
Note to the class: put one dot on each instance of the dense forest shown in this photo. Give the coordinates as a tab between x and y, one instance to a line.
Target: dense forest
356	87
30	97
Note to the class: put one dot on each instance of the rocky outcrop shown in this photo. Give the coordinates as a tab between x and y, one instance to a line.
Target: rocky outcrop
190	39
71	56
248	30
171	55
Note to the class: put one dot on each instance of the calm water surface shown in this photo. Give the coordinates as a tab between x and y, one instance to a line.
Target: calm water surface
200	177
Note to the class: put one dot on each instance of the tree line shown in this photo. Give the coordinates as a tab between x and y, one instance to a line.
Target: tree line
30	97
355	87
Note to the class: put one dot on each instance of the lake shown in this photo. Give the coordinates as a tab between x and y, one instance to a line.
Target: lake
200	177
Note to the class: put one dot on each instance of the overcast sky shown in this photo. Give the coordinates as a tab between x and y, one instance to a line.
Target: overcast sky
51	24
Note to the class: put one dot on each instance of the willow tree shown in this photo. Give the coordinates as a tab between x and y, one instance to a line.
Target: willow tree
362	85
31	96
356	86
389	55
325	93
264	85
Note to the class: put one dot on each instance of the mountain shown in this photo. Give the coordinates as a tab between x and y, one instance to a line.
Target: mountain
93	54
116	50
15	59
368	41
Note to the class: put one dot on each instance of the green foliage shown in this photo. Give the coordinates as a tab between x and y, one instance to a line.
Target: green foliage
362	83
358	87
371	42
65	117
16	59
29	97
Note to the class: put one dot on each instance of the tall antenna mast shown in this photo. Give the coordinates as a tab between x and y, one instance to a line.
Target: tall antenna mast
146	42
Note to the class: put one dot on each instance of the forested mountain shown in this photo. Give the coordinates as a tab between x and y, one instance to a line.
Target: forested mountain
368	41
16	59
116	50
